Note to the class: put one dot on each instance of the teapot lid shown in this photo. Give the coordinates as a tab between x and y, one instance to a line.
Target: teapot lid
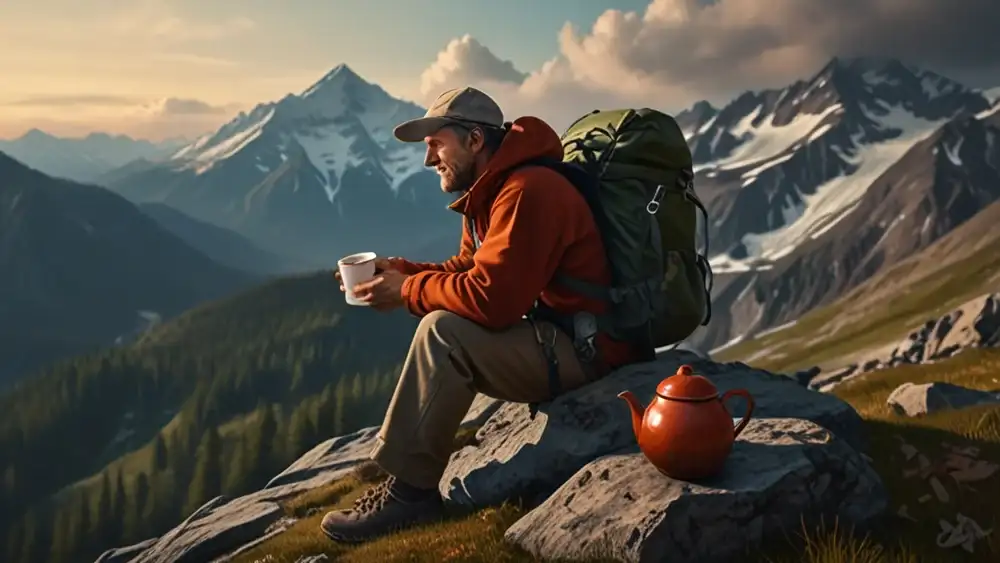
685	386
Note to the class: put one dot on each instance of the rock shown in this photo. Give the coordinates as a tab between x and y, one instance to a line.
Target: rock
685	346
520	457
975	324
780	470
223	525
125	554
804	377
334	456
481	410
911	399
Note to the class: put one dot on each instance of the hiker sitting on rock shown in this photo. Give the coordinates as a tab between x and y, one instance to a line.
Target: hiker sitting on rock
473	335
567	270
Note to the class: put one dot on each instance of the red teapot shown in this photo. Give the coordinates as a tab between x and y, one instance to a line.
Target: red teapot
686	432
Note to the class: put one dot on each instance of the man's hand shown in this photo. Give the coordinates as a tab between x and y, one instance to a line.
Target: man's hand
381	265
384	292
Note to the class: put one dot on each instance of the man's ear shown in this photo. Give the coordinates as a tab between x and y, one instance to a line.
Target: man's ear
477	140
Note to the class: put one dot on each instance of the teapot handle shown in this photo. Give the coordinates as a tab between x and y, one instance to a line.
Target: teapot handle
746	418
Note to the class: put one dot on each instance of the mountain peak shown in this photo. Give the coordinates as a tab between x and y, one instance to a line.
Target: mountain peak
339	77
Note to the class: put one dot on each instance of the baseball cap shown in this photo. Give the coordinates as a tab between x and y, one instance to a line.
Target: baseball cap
459	105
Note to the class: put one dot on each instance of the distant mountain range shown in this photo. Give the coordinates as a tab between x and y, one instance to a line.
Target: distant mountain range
83	159
815	187
81	267
315	176
812	188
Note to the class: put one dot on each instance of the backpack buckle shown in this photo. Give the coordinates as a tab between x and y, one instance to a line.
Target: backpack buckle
654	204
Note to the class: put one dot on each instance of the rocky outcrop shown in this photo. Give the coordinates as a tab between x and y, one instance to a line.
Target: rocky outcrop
223	526
620	506
975	324
520	456
911	399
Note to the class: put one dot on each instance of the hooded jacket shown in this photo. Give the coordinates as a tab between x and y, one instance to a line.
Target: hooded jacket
530	225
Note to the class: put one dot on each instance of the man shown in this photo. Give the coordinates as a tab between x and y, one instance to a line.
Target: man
473	335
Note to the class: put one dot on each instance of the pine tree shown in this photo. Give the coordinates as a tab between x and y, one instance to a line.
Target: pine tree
300	433
159	453
133	525
207	480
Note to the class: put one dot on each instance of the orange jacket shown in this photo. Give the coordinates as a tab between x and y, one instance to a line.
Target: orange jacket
530	226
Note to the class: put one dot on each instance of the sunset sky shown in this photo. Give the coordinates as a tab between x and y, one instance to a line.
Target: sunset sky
162	68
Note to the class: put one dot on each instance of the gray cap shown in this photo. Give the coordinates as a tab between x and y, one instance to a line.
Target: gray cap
463	105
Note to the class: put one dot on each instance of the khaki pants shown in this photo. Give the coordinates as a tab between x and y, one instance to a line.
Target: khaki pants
451	359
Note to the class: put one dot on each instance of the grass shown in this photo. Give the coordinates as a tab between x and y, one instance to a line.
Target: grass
900	538
478	537
869	317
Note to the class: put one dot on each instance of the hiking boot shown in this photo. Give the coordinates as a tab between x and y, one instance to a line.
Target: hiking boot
388	507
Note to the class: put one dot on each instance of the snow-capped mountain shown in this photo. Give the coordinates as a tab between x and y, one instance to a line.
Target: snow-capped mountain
82	159
814	187
316	175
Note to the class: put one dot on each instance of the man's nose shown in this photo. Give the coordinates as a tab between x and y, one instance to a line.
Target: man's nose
430	158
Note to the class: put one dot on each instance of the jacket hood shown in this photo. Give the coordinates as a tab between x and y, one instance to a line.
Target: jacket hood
529	138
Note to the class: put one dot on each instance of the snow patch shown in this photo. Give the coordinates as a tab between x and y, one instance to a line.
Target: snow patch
838	197
773	330
767	140
329	151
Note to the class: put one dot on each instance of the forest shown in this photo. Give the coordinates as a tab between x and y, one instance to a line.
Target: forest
112	448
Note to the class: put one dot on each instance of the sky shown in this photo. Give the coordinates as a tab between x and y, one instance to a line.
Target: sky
158	69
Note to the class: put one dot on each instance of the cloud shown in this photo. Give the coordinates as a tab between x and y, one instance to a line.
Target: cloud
167	107
466	60
43	101
680	51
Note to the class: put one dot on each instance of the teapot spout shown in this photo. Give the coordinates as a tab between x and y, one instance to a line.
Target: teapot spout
637	409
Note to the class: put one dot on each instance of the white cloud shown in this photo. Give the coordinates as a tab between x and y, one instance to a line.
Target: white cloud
679	51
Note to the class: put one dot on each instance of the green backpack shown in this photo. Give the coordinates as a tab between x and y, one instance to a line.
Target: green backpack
634	169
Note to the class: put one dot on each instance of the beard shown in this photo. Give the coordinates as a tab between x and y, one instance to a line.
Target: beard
459	179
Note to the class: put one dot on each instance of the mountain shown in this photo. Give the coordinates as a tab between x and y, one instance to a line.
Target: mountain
813	188
215	401
315	175
880	313
80	267
221	245
82	159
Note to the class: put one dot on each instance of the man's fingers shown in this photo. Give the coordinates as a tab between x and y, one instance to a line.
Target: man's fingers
368	286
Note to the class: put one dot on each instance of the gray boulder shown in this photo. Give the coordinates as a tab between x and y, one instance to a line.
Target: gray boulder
780	471
911	399
517	456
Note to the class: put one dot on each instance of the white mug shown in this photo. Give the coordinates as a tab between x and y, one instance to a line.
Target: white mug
355	269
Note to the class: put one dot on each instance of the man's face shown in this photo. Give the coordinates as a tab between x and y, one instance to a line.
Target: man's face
452	152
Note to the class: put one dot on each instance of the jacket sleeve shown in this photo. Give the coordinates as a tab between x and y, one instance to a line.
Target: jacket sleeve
525	242
459	263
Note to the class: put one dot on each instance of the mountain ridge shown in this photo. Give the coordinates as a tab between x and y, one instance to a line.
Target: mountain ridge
830	203
312	175
80	265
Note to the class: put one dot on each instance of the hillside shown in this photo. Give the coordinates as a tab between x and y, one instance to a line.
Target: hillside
221	245
958	266
81	267
244	385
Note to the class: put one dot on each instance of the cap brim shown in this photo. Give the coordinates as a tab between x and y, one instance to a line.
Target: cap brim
415	130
